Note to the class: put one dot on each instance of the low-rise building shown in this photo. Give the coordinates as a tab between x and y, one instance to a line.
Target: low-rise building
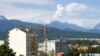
53	46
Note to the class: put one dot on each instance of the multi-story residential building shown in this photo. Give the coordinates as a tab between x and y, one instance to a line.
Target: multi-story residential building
21	40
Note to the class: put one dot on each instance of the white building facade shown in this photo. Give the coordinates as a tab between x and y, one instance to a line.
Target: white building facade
20	40
1	42
50	47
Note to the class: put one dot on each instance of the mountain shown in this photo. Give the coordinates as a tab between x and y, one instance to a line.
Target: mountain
6	25
9	24
65	26
96	28
53	33
3	18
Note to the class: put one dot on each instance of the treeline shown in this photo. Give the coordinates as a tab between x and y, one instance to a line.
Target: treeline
56	34
82	42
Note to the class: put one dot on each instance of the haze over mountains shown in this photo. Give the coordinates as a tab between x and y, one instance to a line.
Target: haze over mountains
56	28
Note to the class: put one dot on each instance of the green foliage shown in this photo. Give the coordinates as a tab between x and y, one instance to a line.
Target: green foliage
41	53
55	33
6	51
72	52
94	50
21	55
51	53
75	52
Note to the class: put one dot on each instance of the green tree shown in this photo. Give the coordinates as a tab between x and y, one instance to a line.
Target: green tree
41	53
51	53
69	52
6	51
75	52
21	55
72	52
98	49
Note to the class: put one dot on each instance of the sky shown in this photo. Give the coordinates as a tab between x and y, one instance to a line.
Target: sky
84	13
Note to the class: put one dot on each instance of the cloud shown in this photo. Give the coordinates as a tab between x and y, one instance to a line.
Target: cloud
79	14
29	1
75	7
60	11
30	15
70	9
68	13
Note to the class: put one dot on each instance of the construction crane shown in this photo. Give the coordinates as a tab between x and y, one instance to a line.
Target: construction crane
45	31
45	40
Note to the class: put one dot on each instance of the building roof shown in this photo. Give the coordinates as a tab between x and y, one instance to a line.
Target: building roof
25	29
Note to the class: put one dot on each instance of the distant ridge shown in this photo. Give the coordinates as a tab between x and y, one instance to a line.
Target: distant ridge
96	28
3	17
66	26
